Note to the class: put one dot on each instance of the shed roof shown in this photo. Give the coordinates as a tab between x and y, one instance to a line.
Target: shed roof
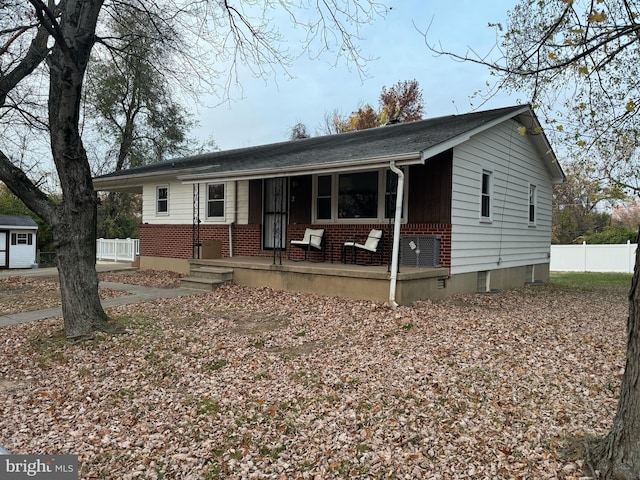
18	221
412	142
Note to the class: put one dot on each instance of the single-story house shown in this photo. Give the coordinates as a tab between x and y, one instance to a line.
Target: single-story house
17	241
464	199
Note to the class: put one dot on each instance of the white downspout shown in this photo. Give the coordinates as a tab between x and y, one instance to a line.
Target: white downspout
396	235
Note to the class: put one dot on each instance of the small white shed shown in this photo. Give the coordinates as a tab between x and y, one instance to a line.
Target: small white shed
17	241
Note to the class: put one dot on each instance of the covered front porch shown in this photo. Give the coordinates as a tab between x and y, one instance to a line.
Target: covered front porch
366	282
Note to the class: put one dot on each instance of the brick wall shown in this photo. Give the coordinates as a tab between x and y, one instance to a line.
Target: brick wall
175	241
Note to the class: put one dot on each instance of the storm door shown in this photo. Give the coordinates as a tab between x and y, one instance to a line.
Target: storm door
274	225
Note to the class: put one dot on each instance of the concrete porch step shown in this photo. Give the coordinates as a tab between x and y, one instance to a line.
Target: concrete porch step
205	284
218	273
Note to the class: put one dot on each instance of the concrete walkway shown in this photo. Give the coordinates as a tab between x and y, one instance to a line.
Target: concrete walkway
137	293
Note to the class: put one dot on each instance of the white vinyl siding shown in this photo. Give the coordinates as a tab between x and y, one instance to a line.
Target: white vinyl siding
181	204
508	241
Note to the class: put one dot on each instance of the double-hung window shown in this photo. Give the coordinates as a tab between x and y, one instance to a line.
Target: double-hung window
532	204
485	196
215	200
162	200
323	197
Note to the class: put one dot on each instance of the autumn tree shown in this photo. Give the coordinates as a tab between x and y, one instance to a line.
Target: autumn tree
579	204
579	61
401	103
51	43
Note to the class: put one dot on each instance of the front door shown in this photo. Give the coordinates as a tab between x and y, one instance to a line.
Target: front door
4	249
274	225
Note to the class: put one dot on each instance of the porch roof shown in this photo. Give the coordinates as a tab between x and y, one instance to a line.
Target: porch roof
405	143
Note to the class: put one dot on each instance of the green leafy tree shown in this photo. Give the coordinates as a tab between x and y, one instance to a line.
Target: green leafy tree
52	42
579	61
12	205
579	204
612	234
131	107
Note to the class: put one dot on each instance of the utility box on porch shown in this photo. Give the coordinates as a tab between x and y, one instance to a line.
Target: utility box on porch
210	249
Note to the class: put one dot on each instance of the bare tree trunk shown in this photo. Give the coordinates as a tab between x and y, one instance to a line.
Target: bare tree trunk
617	457
75	222
76	256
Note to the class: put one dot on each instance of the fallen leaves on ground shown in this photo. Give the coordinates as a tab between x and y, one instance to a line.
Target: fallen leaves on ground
256	383
17	293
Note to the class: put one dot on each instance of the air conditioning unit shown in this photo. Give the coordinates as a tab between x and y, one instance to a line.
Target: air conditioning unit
420	251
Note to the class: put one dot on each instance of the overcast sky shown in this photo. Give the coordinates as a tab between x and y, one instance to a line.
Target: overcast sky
266	109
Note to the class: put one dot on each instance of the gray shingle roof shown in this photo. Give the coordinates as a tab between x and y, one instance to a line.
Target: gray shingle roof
17	221
345	147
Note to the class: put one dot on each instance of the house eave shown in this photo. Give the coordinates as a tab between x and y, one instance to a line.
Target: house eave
313	169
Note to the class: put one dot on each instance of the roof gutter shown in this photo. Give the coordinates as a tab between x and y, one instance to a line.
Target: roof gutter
363	164
396	235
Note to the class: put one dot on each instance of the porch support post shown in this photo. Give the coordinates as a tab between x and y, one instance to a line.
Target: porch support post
396	234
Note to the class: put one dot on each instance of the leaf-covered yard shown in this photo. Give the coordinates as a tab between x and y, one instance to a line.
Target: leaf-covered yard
254	383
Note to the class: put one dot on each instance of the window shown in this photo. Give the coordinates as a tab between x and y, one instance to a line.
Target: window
485	199
358	195
390	195
354	196
21	239
215	200
532	204
323	197
162	200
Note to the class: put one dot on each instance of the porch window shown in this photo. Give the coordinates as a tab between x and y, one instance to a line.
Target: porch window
390	195
162	200
323	198
355	196
215	200
532	204
358	195
21	239
485	197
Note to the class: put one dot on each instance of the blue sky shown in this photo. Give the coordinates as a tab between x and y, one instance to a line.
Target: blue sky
265	109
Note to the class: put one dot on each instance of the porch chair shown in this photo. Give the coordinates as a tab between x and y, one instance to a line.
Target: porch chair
373	245
313	241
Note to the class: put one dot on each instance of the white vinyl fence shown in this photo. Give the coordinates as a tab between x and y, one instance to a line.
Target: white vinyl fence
593	258
117	249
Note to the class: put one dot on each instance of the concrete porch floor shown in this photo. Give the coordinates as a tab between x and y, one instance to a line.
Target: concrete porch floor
367	282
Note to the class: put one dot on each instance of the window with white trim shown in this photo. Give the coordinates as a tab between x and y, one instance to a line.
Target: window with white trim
162	200
215	200
323	197
354	196
532	203
485	196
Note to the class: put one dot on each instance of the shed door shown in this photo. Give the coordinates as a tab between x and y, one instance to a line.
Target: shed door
4	249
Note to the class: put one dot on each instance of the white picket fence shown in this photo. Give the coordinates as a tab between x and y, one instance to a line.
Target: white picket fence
117	249
593	258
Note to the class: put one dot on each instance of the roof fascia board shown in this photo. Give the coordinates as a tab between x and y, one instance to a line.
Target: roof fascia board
366	164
